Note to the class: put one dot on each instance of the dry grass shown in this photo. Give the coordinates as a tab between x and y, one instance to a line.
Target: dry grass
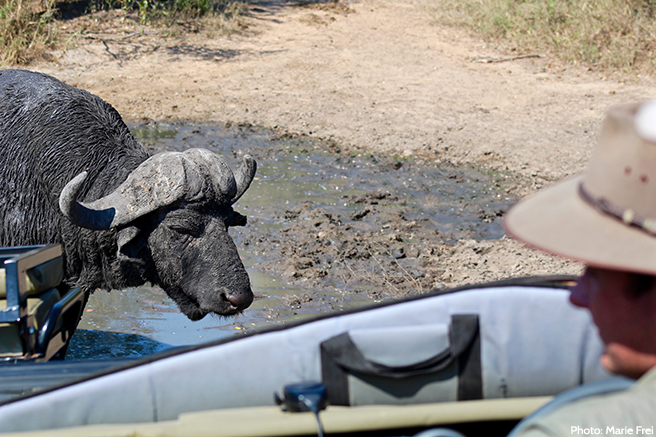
26	28
29	28
610	35
618	36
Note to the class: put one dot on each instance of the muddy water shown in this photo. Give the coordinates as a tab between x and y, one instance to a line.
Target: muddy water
328	230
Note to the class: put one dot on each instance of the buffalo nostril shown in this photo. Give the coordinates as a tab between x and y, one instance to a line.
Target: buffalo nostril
241	301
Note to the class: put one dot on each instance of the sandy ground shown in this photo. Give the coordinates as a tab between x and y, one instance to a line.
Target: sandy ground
375	75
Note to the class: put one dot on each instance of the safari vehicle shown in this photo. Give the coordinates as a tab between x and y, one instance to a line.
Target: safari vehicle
474	360
37	318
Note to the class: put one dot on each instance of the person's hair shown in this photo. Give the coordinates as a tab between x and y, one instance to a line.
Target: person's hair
641	283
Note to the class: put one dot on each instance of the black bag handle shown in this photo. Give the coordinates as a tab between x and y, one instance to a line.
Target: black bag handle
340	356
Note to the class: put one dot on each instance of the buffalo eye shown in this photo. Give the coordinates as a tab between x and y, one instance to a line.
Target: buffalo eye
185	229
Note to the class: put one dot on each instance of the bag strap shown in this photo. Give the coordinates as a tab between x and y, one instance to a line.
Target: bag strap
340	356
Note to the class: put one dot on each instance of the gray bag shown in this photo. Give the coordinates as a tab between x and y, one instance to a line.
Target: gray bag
407	365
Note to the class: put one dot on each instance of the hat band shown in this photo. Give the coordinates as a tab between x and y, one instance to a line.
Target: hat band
627	216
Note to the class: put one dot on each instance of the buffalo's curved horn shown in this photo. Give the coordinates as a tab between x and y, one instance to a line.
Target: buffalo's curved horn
80	214
218	170
244	176
159	181
230	186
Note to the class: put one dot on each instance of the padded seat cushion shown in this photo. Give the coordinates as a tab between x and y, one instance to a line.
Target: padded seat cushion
40	278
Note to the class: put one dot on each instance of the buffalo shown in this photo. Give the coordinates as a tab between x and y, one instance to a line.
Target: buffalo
72	173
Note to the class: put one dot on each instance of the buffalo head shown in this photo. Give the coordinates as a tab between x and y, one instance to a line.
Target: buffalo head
171	218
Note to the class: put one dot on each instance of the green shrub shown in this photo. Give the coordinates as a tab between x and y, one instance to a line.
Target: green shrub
166	11
29	27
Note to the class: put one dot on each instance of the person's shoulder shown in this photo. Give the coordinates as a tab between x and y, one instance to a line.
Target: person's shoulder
602	414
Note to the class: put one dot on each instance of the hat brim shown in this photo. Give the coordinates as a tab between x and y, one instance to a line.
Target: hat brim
558	221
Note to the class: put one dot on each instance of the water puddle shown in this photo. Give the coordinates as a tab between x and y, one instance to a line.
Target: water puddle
143	320
337	227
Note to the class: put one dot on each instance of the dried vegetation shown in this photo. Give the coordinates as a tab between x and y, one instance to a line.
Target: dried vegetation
31	29
618	36
615	36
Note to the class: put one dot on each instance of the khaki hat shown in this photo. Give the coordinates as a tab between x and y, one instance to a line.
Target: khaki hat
607	216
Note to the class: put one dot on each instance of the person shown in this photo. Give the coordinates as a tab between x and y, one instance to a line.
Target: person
606	219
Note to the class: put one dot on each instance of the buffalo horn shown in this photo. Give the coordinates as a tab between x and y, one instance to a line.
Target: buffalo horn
159	181
230	186
218	170
244	176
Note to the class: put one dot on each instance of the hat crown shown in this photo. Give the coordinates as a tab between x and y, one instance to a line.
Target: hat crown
605	217
622	169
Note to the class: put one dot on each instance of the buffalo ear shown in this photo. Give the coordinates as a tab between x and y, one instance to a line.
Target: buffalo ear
130	243
238	219
125	239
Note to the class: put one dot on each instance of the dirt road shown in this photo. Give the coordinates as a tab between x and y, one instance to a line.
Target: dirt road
372	75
